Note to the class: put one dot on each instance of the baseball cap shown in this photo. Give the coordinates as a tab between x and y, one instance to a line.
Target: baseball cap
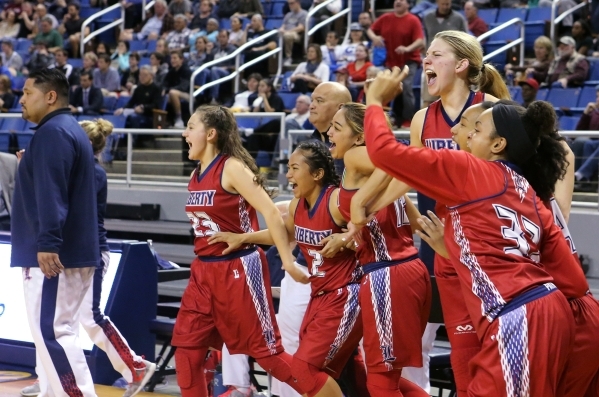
530	82
355	26
567	40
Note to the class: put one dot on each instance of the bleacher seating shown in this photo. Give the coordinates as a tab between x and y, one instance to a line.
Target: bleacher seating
289	99
563	97
567	123
488	15
535	25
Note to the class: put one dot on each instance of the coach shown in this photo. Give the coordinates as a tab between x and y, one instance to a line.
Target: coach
55	232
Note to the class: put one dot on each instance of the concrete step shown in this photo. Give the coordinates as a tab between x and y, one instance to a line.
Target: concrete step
147	168
157	155
147	177
171	142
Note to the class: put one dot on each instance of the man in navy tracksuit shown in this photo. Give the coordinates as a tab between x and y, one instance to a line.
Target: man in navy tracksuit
55	232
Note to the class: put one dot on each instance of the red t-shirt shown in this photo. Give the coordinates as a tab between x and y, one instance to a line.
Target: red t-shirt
359	75
477	26
398	31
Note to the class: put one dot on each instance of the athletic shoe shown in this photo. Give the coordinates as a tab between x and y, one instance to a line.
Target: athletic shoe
31	390
140	378
233	392
179	124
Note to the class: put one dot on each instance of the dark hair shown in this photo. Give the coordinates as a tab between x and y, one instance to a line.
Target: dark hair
126	44
269	82
63	52
586	28
228	140
178	53
316	48
318	156
255	76
88	74
224	31
158	55
47	80
105	57
334	33
74	4
135	55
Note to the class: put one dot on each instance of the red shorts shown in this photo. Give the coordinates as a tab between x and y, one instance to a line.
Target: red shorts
459	325
583	362
396	302
331	329
229	301
524	352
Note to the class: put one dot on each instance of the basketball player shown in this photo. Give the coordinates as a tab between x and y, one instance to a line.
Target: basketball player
54	227
515	308
225	192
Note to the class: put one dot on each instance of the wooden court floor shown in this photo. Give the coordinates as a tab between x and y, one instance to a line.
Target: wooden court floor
13	389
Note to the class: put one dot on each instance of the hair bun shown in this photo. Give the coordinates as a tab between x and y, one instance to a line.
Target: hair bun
104	126
542	116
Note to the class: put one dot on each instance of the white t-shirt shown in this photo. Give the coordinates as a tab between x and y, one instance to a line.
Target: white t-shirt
322	71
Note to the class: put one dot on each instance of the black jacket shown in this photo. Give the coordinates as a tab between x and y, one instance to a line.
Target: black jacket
177	79
95	100
150	96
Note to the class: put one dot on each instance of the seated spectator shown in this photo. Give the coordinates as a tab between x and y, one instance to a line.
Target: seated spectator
40	58
41	11
530	87
244	99
49	35
586	150
236	34
371	74
299	115
176	85
151	28
182	7
293	28
256	30
539	67
365	20
101	48
58	8
106	77
86	99
10	27
159	67
569	69
210	33
10	58
222	49
264	137
348	50
331	50
130	78
226	8
178	39
355	72
70	28
7	97
26	20
309	74
268	100
581	33
247	8
120	58
15	6
90	62
198	56
199	21
476	25
162	48
61	62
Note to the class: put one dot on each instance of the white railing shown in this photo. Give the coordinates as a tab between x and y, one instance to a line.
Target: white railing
519	41
555	20
120	21
236	73
145	7
309	32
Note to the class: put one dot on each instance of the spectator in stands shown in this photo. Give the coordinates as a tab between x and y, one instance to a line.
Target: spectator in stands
26	21
331	51
476	25
268	99
530	87
401	34
58	8
245	99
355	72
321	15
226	8
443	18
61	62
181	7
101	48
586	150
130	77
200	19
159	67
15	6
86	99
540	66
90	62
365	20
210	33
292	28
247	8
237	33
152	27
10	58
7	97
106	77
70	28
40	58
256	30
162	48
309	74
298	117
120	57
49	35
41	12
581	33
348	50
569	69
265	136
10	27
222	49
146	97
199	55
178	39
176	85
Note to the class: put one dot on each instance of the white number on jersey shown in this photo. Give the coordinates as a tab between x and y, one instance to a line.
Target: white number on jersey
560	221
202	219
400	211
514	233
317	260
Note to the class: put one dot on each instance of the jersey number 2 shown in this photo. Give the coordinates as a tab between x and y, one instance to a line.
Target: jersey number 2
202	219
317	260
515	233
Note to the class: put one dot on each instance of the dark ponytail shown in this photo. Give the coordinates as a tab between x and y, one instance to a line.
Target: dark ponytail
317	157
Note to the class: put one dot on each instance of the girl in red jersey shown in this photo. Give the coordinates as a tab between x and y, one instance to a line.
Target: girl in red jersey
228	298
332	326
396	294
499	228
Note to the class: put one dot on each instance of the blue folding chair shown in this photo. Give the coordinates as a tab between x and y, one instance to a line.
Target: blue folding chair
563	97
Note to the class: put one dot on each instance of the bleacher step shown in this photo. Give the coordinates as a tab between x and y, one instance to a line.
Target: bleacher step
147	167
148	177
157	155
170	143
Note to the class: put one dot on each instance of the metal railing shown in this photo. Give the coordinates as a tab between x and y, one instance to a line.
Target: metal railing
314	29
120	21
236	73
519	41
145	7
555	20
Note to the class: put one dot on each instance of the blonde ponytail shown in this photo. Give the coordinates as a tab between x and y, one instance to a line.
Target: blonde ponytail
97	130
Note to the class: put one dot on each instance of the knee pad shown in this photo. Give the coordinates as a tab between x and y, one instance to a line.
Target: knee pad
410	389
308	377
190	371
384	384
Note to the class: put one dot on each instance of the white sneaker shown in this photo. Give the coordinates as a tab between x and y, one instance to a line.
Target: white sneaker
140	378
287	62
179	124
31	390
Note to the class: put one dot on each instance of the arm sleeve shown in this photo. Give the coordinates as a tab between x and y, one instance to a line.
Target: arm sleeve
323	72
277	103
96	103
584	122
114	81
56	150
581	70
376	26
458	176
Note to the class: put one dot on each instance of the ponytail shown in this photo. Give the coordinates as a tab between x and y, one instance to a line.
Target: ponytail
491	82
97	130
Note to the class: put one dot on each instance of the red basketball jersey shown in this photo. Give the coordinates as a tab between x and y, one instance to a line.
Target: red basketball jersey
311	226
387	237
212	209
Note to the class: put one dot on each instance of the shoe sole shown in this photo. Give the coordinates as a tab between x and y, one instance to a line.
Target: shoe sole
150	371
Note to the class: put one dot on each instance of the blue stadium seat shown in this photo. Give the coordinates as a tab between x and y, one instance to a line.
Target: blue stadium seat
23	139
137	45
4	141
76	62
110	16
594	69
13	124
273	23
538	14
86	117
144	61
417	78
249	122
17	83
277	9
532	30
151	47
285	83
28	126
516	93
121	102
117	121
23	45
488	15
568	123
509	33
108	105
224	23
289	99
563	97
505	14
87	12
588	94
542	94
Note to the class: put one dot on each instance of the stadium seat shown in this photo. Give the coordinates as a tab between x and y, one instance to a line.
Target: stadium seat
273	23
568	123
108	105
121	102
76	62
594	69
87	12
488	15
28	126
13	124
542	94
277	9
17	83
249	122
285	83
289	99
509	33
538	14
23	139
536	21
23	45
110	16
563	97
588	94
4	141
117	121
144	61
151	46
516	93
137	46
86	117
505	14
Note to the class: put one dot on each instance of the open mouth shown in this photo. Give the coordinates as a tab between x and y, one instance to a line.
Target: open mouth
333	145
189	143
431	77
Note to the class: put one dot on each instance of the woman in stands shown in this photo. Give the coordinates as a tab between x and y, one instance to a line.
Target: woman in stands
523	322
540	66
396	294
355	72
228	298
309	74
331	328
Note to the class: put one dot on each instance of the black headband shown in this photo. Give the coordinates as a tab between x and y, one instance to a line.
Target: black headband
509	125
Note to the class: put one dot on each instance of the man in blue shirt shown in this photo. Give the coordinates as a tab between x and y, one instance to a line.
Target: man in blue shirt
55	232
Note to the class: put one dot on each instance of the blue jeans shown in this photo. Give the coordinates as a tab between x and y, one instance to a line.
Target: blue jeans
590	166
215	74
